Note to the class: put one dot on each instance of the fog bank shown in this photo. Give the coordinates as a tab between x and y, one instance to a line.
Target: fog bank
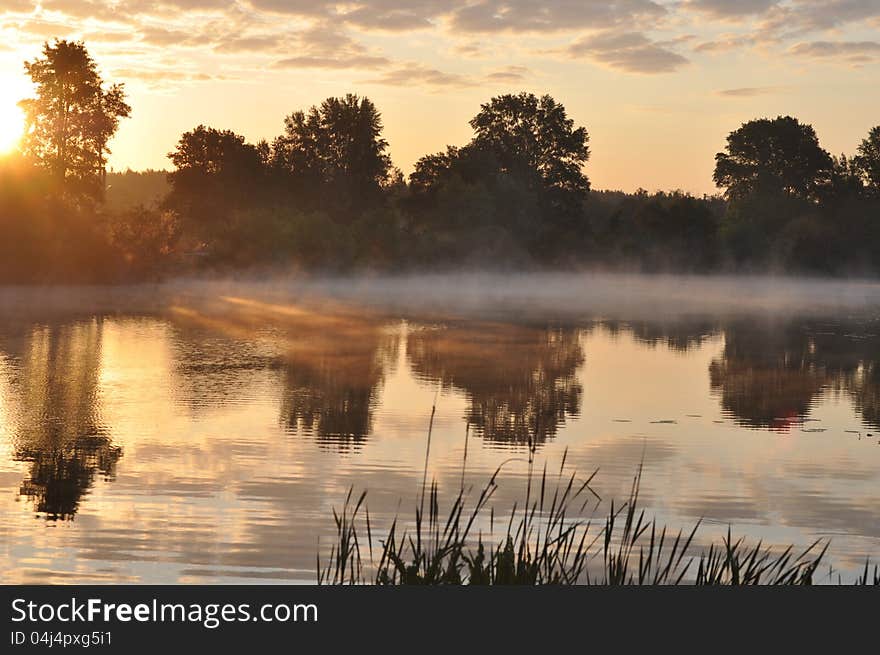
539	296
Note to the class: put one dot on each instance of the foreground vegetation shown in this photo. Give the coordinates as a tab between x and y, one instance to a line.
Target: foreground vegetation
551	539
324	195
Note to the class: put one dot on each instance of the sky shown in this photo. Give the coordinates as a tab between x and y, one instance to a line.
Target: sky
657	83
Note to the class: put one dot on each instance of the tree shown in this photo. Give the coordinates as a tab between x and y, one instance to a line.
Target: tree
531	135
211	165
845	182
335	150
216	172
773	156
429	170
868	161
73	117
519	180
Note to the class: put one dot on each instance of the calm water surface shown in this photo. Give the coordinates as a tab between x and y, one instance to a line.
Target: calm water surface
203	433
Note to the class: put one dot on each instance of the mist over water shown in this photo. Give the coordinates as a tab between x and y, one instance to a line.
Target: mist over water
541	295
201	430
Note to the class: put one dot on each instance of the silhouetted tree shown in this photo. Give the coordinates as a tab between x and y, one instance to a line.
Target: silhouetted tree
868	161
431	169
534	135
780	155
335	154
673	231
145	238
518	185
216	171
845	180
72	118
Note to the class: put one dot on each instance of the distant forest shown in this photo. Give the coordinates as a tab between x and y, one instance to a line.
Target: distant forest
324	196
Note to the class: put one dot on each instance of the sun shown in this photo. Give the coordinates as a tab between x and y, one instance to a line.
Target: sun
11	127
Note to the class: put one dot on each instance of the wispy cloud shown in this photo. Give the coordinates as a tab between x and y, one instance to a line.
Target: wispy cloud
629	36
351	62
730	9
750	91
564	15
852	51
508	74
725	44
414	74
632	52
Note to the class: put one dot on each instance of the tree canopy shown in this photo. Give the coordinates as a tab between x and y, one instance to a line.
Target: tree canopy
527	133
216	171
337	148
780	155
323	195
868	160
72	117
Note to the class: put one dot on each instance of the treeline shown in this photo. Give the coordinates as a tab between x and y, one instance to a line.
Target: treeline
323	195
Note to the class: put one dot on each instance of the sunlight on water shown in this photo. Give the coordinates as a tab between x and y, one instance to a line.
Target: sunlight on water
206	437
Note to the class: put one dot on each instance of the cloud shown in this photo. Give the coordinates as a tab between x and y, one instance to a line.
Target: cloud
159	36
18	6
631	52
45	29
414	74
384	15
324	46
294	7
262	43
393	20
827	14
725	44
108	37
469	16
162	75
730	9
800	17
165	78
853	51
470	49
749	91
83	9
561	15
508	74
632	36
788	17
356	61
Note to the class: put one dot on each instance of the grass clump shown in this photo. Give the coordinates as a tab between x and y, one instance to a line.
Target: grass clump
552	539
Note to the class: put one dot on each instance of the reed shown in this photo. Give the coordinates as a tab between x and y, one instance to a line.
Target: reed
551	539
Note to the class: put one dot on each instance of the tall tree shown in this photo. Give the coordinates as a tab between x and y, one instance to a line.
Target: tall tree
868	161
778	155
336	148
534	135
72	117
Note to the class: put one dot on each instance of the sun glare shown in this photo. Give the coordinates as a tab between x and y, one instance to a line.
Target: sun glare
11	127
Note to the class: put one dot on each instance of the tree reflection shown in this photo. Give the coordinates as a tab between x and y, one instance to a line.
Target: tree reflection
770	374
864	387
56	412
332	360
332	376
679	335
520	381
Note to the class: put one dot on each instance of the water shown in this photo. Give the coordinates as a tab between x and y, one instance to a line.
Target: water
202	432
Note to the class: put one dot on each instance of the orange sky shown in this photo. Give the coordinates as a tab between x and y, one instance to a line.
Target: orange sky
658	84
